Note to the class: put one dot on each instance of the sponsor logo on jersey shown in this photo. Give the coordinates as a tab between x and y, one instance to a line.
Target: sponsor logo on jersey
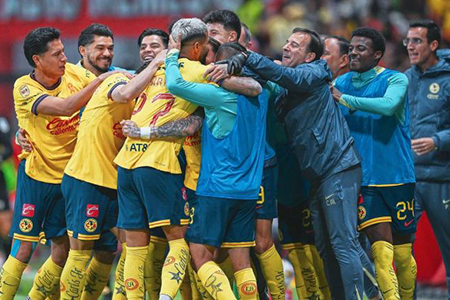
92	210
117	131
26	225
28	210
184	193
90	225
59	126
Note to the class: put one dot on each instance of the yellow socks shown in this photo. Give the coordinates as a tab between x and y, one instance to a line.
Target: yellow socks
215	281
383	255
309	273
47	279
272	268
203	293
153	266
299	282
119	286
227	268
314	256
246	284
97	276
74	274
134	272
175	267
10	275
406	267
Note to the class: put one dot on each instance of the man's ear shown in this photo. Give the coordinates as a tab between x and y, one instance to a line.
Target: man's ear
434	45
378	55
82	51
233	37
344	61
310	57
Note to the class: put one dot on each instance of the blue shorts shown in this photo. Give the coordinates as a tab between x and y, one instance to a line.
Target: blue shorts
393	204
91	211
149	198
220	222
39	208
266	206
295	226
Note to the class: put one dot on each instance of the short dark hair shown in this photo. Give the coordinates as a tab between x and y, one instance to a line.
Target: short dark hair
153	31
316	44
227	18
36	42
88	34
343	43
227	50
248	33
433	30
378	40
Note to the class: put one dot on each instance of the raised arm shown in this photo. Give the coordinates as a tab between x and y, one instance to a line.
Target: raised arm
55	106
299	79
242	85
202	94
131	90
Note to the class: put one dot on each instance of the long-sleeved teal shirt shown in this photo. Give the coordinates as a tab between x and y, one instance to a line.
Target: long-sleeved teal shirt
392	103
220	105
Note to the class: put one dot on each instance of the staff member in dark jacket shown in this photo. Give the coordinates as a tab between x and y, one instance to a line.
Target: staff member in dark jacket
429	102
324	148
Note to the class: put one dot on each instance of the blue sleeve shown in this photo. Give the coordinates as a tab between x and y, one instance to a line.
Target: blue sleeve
388	105
202	94
299	79
273	90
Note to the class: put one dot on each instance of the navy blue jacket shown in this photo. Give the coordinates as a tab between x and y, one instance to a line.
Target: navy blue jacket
429	104
314	124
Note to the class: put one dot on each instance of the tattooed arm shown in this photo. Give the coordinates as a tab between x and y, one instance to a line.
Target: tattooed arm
176	129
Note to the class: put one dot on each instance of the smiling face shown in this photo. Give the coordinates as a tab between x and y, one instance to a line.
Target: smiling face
151	45
296	51
52	62
332	54
98	55
362	55
419	49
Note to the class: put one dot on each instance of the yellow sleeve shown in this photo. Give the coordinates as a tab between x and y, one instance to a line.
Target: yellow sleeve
27	96
114	81
83	75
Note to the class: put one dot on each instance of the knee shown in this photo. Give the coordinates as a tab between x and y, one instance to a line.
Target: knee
60	250
199	255
263	244
105	257
22	250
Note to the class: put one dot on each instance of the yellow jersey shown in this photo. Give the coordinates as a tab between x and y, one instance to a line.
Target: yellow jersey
193	150
53	137
155	107
100	136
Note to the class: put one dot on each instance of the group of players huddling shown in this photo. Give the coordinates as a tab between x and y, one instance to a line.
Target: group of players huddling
187	161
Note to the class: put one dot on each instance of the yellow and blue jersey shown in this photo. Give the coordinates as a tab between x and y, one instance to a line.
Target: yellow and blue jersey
100	136
155	107
53	137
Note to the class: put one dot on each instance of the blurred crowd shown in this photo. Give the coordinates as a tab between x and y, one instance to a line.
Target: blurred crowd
272	21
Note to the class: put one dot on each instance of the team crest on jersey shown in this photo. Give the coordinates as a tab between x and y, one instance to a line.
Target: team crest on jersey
434	88
90	225
24	91
26	225
186	209
131	284
361	212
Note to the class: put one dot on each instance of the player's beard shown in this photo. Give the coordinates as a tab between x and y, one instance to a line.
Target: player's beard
98	68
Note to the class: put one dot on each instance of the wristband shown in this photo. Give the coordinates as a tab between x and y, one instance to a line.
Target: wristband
145	132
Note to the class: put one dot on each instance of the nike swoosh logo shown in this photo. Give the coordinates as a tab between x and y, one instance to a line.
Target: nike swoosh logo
446	201
408	223
329	196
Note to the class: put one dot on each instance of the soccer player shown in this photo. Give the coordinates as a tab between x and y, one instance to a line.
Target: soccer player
228	185
335	53
223	25
324	148
266	208
429	98
375	107
246	36
47	102
141	160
